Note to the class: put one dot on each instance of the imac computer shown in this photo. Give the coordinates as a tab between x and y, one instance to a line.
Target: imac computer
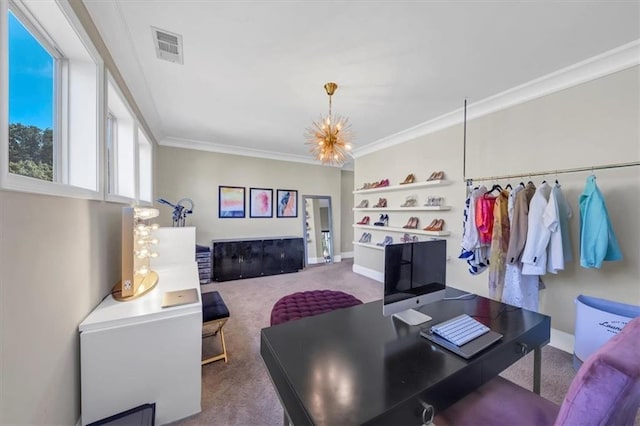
414	275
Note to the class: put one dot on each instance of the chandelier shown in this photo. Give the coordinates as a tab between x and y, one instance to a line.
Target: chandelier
329	137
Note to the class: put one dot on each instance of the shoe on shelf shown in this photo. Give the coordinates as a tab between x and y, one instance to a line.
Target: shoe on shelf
364	221
409	179
412	223
382	202
437	226
411	201
415	238
387	240
383	183
363	204
429	226
434	201
436	176
383	221
363	238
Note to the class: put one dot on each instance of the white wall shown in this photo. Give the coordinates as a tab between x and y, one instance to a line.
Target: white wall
197	175
58	258
346	212
590	124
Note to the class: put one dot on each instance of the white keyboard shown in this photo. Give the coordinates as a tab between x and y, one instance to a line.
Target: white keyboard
460	330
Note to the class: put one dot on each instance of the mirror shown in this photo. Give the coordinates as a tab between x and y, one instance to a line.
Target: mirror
318	229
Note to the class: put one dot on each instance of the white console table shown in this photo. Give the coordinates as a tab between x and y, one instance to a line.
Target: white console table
137	352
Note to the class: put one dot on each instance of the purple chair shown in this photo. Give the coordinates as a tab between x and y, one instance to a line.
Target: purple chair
308	303
605	391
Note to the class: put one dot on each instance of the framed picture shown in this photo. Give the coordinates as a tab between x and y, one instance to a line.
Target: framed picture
260	202
287	203
230	201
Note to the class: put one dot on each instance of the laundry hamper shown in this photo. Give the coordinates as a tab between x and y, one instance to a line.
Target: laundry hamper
597	320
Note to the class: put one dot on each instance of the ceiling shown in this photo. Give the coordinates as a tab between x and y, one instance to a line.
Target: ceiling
253	73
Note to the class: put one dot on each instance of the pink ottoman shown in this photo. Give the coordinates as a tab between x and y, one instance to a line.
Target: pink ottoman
308	303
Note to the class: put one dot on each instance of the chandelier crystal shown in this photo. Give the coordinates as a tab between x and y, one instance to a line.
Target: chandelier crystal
329	137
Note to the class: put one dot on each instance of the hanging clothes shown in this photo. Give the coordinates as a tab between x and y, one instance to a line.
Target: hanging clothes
519	290
598	242
520	224
556	219
499	245
484	217
472	251
534	256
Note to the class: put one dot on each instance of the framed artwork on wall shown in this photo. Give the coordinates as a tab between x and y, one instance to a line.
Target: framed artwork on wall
287	203
231	201
260	202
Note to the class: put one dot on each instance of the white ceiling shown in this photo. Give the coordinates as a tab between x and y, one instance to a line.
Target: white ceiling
253	73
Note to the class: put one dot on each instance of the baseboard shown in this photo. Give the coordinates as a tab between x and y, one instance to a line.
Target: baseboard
562	340
369	273
347	255
337	258
315	260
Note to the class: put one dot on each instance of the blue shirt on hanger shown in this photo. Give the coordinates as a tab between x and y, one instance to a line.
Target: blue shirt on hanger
597	240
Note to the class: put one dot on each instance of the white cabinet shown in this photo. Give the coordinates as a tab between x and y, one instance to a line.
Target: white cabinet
137	352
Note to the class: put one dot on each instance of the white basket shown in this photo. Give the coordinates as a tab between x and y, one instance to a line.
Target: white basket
597	320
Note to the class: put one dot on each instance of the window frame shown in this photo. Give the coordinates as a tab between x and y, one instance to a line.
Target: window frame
60	185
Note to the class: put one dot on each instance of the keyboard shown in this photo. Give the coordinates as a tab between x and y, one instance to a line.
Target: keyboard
460	330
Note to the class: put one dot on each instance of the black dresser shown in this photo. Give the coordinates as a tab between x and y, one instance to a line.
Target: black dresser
255	257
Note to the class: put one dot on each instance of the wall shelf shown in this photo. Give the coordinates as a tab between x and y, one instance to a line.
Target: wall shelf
425	184
401	209
368	245
403	230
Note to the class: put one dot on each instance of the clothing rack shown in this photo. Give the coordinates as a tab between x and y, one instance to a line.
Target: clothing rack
555	172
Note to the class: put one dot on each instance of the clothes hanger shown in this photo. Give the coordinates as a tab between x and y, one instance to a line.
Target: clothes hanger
508	186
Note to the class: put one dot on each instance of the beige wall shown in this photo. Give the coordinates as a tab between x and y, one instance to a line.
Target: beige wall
346	211
184	173
590	124
59	257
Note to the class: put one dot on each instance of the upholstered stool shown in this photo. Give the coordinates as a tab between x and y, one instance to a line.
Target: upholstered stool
214	316
308	303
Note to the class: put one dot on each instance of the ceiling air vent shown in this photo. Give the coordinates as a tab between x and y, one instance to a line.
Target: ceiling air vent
168	45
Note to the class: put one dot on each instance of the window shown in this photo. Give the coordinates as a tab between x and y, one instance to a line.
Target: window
31	102
121	147
145	162
53	79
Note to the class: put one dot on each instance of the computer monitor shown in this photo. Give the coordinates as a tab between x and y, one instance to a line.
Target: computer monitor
414	275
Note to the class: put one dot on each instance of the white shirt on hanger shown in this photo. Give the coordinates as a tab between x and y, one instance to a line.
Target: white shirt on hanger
556	218
534	257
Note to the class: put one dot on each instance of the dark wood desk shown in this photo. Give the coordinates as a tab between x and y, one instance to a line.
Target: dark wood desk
354	366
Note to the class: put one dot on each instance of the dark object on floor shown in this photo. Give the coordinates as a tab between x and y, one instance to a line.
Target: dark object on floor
308	303
142	415
214	316
606	391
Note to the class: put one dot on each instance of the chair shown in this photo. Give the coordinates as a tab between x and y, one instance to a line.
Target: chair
605	391
214	316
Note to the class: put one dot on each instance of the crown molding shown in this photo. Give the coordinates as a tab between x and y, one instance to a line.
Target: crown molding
618	59
233	150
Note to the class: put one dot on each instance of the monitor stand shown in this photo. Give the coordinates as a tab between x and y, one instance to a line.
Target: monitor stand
412	317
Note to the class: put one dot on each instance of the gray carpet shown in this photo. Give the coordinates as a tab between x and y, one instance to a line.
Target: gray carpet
240	392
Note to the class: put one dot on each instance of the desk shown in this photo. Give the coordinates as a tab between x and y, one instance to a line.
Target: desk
354	366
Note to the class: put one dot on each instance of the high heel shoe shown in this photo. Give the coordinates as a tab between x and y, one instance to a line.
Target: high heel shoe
412	223
436	176
438	226
429	226
409	179
382	202
383	221
410	201
364	221
363	204
387	240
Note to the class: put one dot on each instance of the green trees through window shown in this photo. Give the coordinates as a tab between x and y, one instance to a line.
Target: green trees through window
31	151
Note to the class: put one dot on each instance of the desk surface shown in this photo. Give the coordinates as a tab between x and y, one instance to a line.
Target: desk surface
355	366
